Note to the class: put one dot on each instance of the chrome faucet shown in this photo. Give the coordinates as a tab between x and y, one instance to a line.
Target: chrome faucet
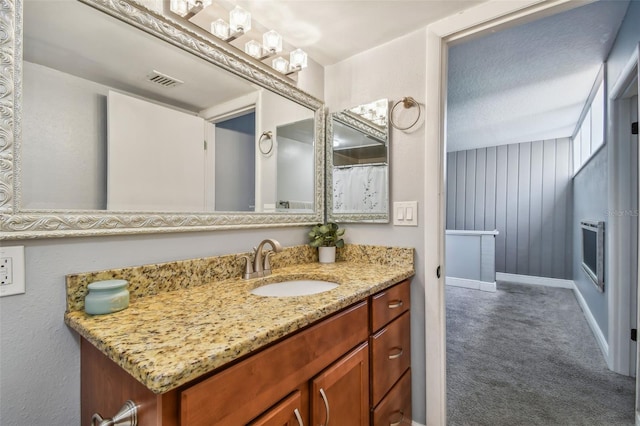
261	266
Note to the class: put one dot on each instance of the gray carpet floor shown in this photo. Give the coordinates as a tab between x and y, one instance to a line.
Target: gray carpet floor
525	355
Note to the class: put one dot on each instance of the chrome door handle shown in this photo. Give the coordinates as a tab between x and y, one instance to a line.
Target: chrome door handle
297	414
326	405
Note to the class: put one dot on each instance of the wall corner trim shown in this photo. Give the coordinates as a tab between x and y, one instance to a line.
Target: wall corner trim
473	284
533	280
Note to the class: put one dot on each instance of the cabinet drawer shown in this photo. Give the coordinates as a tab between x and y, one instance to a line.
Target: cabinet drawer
395	408
389	304
391	356
241	392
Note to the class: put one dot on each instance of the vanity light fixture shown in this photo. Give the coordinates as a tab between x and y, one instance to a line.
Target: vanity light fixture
239	24
188	8
375	112
271	45
297	61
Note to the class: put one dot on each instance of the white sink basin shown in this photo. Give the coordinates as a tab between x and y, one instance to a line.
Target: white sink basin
294	288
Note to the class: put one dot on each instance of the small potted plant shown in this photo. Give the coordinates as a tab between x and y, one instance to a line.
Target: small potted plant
326	237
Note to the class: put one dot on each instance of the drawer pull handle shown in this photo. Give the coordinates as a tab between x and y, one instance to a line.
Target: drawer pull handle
395	304
399	422
396	355
326	405
297	414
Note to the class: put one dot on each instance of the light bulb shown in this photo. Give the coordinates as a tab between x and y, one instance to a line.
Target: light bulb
281	65
253	48
272	41
179	7
220	29
239	20
298	59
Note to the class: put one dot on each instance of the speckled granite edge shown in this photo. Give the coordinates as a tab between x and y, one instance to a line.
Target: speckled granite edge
169	339
153	279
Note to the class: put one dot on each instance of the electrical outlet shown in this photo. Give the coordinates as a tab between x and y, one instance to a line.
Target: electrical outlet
12	270
6	271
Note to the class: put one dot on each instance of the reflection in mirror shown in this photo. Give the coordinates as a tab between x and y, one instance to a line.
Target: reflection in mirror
359	166
295	143
116	119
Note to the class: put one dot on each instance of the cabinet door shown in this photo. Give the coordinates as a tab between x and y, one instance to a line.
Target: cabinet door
288	412
340	394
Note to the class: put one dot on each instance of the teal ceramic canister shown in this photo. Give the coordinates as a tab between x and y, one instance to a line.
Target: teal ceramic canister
106	297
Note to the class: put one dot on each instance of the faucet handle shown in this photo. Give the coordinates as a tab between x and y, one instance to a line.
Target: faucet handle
267	264
248	269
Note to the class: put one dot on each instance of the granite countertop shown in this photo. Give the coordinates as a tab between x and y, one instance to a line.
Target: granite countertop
168	339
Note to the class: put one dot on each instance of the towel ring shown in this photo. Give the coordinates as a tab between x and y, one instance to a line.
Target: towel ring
407	102
269	136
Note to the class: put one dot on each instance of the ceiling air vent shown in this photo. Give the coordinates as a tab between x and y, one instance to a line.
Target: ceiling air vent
163	80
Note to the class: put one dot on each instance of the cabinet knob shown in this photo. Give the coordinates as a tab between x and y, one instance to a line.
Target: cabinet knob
127	416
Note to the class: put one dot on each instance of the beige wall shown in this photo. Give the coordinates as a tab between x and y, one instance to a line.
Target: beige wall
393	70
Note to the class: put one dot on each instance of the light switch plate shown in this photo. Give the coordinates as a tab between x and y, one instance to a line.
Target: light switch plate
406	213
12	271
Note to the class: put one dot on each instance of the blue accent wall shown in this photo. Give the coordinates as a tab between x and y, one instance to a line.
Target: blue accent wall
590	202
590	186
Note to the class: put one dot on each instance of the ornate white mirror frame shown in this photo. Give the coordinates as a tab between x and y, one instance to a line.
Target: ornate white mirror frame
379	133
18	223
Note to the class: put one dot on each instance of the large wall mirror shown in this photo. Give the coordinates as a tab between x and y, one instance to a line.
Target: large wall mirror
125	118
358	163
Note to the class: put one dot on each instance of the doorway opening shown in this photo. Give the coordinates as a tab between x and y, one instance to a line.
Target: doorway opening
479	172
235	163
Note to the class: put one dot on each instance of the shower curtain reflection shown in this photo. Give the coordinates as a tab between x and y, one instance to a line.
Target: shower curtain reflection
360	188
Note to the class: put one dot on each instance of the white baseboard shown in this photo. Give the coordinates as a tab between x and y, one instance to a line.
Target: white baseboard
533	280
597	333
416	424
474	284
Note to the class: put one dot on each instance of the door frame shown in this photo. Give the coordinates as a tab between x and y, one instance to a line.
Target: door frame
618	264
472	22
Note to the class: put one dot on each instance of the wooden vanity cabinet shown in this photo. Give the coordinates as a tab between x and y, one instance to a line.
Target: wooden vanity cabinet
334	363
390	342
340	394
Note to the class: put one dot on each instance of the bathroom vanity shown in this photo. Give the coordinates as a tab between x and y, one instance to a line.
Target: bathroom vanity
217	354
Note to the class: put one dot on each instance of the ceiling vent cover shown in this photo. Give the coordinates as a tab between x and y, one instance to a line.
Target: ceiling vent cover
163	80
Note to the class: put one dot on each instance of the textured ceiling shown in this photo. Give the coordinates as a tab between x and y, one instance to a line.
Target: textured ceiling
529	82
333	30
